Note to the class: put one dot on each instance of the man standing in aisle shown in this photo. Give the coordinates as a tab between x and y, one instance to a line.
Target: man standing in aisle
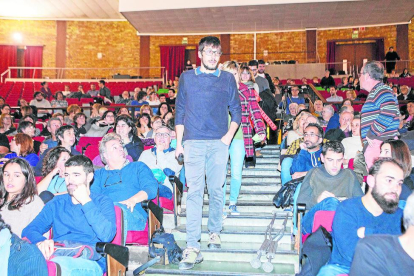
390	59
204	127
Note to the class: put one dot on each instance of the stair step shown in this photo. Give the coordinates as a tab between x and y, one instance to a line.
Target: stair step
273	152
265	166
260	172
267	161
244	219
212	268
258	179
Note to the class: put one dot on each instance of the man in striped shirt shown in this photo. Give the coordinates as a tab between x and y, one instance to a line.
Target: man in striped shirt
380	113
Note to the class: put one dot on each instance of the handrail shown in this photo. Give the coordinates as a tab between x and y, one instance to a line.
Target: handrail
5	72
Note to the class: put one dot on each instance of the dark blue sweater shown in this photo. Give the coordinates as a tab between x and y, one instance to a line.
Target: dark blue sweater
349	217
304	161
203	104
88	224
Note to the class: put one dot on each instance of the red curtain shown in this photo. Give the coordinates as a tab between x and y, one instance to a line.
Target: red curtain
330	55
198	60
8	58
173	59
33	57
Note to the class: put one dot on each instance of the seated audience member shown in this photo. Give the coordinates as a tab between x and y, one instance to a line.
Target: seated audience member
334	97
140	98
125	127
81	217
59	101
146	109
163	109
65	136
126	183
22	146
387	255
347	102
301	107
376	212
353	144
72	110
60	117
350	95
324	186
66	92
163	98
327	80
6	124
40	102
104	91
405	73
293	98
399	151
93	92
327	113
52	126
19	257
309	155
161	160
298	128
406	94
4	145
153	99
144	126
156	122
95	115
318	108
23	111
79	123
2	101
124	99
123	111
355	85
5	109
29	129
408	122
167	117
79	94
344	83
53	171
344	130
334	120
19	202
171	96
315	81
101	127
288	119
294	147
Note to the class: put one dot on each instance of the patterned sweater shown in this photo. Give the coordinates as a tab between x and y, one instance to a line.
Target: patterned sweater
380	114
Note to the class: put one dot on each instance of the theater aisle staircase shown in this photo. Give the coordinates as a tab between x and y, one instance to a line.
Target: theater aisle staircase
242	235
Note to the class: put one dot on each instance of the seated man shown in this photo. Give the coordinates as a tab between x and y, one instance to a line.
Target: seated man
334	120
52	125
65	137
81	217
387	255
353	144
309	155
293	98
376	212
318	108
161	160
324	186
344	130
125	183
40	102
334	97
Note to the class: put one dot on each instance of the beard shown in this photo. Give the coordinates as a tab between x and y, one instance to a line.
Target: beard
389	206
208	67
261	71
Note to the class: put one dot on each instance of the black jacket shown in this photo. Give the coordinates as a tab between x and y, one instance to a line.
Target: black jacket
268	103
271	85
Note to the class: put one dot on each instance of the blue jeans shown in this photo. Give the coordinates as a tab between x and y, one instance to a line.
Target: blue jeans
204	160
333	270
285	170
164	191
328	204
237	153
78	267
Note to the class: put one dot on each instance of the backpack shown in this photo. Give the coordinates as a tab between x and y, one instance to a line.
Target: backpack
268	104
169	246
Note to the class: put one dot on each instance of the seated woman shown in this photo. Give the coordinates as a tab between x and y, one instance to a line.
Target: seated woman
125	127
79	122
53	171
22	146
350	95
29	129
146	109
100	128
19	202
167	116
405	73
144	126
72	110
163	109
297	131
6	125
123	111
399	151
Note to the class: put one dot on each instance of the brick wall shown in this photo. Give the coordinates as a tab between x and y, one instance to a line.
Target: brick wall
117	41
411	45
34	32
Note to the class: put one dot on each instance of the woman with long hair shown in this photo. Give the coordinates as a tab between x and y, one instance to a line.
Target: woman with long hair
101	127
22	146
163	109
6	125
79	122
144	126
297	129
242	143
125	127
53	171
19	202
399	151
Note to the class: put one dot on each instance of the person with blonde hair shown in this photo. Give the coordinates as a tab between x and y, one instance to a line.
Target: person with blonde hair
297	129
6	125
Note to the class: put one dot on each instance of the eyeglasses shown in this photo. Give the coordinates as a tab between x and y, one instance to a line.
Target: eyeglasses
210	52
113	179
311	135
164	135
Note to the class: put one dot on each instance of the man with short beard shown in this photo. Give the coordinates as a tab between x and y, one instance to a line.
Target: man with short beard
376	212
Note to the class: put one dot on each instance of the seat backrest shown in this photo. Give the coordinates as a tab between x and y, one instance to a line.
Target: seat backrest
323	218
119	238
39	138
92	151
83	141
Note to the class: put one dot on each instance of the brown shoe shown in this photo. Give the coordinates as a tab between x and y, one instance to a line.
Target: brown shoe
258	154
